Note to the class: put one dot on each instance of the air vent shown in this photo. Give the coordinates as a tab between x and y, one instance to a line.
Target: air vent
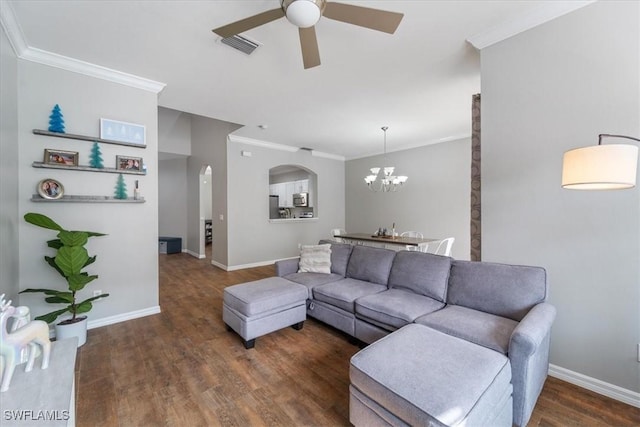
240	43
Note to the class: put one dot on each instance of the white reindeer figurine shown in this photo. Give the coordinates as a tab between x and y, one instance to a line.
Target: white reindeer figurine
11	344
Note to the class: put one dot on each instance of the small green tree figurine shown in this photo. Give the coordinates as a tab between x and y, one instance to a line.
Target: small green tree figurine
56	122
121	188
95	159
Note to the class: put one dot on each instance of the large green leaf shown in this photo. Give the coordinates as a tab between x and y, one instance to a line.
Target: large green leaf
71	259
51	317
44	291
42	221
59	300
91	260
79	281
73	238
84	307
52	262
55	243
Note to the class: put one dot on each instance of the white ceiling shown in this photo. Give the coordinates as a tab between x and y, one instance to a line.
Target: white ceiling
419	81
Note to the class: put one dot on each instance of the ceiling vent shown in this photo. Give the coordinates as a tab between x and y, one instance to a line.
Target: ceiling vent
240	43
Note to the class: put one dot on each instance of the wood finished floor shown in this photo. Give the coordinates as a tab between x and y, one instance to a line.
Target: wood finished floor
182	368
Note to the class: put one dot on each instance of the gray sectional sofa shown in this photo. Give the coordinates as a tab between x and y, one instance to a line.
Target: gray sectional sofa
372	292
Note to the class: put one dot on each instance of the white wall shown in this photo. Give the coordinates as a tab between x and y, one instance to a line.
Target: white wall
9	242
252	238
172	198
435	200
545	91
127	259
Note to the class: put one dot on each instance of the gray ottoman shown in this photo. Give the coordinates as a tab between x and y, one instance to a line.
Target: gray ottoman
257	308
422	377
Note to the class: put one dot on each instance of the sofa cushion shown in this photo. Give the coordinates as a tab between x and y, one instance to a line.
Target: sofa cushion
340	254
427	378
315	259
487	330
343	293
500	289
310	280
421	273
370	264
395	307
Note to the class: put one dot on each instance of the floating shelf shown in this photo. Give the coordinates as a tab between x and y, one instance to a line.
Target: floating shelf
85	199
85	138
86	168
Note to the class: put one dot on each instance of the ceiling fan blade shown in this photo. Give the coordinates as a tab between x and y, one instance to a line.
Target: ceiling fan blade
309	45
249	23
374	19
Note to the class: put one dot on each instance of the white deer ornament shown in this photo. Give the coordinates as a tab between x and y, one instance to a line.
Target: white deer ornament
12	343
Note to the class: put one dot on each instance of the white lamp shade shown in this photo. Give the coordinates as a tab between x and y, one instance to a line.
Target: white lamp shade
600	167
303	13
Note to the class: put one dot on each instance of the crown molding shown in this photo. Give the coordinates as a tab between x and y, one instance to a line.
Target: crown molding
25	52
546	13
263	144
323	155
11	28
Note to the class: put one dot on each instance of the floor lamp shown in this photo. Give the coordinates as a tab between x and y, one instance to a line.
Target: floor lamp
601	167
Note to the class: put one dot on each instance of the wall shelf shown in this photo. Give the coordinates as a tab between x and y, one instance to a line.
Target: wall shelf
85	199
85	138
86	168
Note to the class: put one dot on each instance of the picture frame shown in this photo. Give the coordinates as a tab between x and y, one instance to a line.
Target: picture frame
129	163
60	157
50	188
115	130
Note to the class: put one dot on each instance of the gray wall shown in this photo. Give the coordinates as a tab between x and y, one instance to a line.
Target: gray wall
172	198
9	155
174	132
545	91
209	147
435	200
127	260
252	238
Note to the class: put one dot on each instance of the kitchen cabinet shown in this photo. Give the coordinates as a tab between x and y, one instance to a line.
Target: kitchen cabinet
301	186
286	190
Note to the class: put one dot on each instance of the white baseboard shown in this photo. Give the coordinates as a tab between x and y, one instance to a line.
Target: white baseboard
123	317
194	254
610	390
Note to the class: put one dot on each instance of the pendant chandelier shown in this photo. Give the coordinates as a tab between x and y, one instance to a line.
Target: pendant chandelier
387	181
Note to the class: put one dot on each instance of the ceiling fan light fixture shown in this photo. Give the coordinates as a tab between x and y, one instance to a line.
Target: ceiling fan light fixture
303	13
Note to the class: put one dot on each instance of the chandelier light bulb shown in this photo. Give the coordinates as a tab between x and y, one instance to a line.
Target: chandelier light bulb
388	181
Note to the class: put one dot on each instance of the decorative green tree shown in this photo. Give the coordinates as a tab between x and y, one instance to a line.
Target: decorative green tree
121	188
96	157
56	122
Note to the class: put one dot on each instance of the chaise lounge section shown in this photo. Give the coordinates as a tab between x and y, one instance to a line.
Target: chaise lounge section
373	292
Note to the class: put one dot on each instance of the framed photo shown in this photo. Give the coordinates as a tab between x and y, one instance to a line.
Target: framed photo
49	188
61	158
122	132
129	163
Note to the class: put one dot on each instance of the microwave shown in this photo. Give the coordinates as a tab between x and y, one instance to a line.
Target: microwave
301	200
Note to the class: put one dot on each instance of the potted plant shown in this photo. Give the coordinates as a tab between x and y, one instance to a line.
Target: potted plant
70	259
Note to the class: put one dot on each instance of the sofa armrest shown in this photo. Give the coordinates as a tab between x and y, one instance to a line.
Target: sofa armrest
532	329
529	356
287	266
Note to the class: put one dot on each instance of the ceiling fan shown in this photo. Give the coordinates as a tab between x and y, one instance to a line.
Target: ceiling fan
306	13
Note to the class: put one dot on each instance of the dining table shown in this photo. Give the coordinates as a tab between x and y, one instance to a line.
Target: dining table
389	242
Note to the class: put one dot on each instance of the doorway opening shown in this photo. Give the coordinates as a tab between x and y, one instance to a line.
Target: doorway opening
206	209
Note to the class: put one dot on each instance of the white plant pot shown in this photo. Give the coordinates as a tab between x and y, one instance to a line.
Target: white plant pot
77	329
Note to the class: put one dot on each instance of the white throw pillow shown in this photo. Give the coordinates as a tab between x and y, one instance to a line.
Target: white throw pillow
315	259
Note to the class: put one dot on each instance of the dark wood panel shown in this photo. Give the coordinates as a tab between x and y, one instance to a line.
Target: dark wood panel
183	368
